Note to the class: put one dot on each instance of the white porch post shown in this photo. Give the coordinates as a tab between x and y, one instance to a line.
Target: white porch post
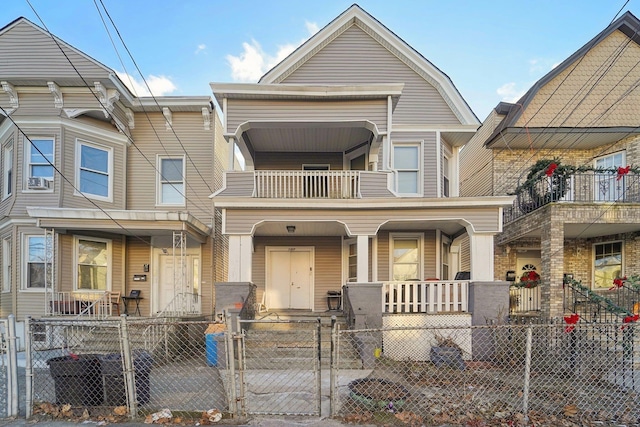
362	244
240	258
481	257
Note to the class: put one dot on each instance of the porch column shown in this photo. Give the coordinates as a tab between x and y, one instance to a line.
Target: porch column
481	247
362	245
552	268
240	258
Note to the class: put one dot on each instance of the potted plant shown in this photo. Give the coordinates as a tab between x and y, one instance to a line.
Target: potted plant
446	352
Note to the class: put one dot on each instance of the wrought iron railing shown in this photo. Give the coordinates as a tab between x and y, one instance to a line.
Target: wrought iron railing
292	184
585	187
626	296
426	297
591	306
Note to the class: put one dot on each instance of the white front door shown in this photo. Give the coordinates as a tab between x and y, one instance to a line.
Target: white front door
170	285
289	277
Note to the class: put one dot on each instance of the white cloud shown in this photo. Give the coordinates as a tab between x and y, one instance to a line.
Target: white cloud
509	92
253	62
200	48
159	85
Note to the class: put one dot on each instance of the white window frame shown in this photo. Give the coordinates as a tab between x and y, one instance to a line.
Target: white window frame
6	264
160	181
593	260
350	259
420	174
407	236
8	174
614	187
109	150
25	264
27	161
76	253
446	181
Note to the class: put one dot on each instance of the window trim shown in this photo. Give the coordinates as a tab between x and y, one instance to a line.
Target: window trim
159	180
7	164
593	261
420	170
407	236
7	261
76	253
446	171
27	163
109	150
25	263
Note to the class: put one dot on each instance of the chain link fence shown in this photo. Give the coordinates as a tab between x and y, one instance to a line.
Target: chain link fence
510	373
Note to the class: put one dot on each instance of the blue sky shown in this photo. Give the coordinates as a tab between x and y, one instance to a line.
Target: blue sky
493	50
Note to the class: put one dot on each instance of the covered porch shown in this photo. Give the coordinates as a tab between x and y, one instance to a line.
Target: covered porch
106	263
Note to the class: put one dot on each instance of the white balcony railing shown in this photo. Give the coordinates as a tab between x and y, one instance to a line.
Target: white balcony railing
307	184
426	297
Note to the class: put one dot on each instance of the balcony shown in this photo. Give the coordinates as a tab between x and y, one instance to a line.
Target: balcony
299	184
588	187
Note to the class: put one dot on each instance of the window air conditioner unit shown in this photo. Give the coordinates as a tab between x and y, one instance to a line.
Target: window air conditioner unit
38	183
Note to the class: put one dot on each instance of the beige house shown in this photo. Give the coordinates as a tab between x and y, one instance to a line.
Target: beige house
102	191
350	148
580	218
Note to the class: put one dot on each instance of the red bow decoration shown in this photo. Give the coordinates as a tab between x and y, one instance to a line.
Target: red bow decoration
630	319
552	167
571	321
622	171
618	283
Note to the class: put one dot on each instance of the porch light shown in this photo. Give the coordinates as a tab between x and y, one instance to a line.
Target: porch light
291	228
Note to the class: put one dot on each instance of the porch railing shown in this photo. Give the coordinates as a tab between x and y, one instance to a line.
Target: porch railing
307	184
183	304
524	300
591	306
590	187
426	297
81	304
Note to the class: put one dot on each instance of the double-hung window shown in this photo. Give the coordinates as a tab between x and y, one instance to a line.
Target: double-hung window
40	157
405	259
607	264
171	181
92	264
406	165
37	267
7	176
94	170
6	265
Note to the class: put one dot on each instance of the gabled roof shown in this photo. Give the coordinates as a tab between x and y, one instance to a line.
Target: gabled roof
629	25
355	15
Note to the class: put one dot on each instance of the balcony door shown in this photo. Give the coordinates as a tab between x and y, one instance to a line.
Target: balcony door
608	188
289	283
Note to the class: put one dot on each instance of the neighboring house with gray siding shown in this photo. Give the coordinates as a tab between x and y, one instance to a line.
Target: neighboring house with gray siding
102	191
350	148
581	218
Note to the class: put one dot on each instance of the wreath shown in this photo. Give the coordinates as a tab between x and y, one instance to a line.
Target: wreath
529	279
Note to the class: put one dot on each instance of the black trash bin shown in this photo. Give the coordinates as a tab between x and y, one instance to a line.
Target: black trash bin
77	379
115	391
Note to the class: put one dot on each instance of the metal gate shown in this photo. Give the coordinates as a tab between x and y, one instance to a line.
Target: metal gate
9	390
278	367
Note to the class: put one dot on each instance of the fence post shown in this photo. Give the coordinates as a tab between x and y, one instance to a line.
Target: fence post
128	368
231	363
12	367
241	359
332	366
28	367
527	375
319	368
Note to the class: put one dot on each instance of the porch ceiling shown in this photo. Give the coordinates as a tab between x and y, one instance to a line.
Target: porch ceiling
307	136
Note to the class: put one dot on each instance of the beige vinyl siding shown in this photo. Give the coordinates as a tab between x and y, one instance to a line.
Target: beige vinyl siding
374	184
242	110
137	255
294	161
71	197
583	95
239	184
152	139
27	52
38	105
383	256
465	253
476	161
361	221
356	58
328	264
429	255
